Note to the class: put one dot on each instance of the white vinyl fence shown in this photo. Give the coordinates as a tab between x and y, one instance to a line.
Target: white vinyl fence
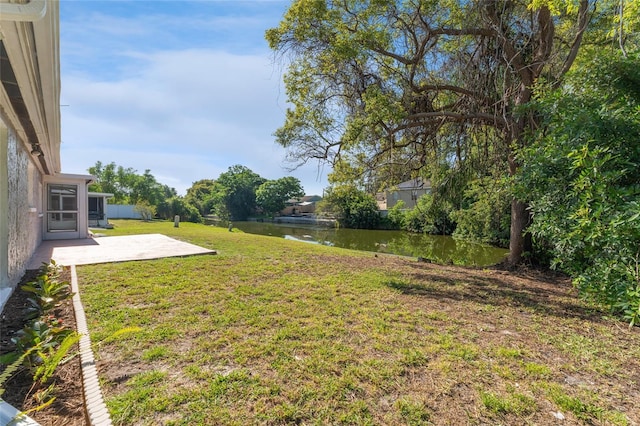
122	211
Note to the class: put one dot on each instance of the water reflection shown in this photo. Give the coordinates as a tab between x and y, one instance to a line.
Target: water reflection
441	249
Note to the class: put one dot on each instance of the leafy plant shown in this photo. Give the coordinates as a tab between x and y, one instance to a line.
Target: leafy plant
42	335
432	215
13	364
486	218
47	293
146	210
581	180
55	356
396	216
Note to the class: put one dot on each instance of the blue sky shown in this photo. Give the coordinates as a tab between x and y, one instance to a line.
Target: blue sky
183	88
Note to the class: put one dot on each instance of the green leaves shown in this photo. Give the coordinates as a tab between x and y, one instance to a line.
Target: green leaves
581	177
47	291
352	207
236	193
272	195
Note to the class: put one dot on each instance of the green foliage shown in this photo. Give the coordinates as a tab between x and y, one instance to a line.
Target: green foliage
396	216
47	291
486	215
12	363
55	356
200	195
387	88
146	210
44	343
351	206
272	194
432	215
581	179
235	193
127	186
44	334
179	206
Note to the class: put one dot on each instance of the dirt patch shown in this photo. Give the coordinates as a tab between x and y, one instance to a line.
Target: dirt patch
68	407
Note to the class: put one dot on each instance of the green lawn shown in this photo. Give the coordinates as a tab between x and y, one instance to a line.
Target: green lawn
271	331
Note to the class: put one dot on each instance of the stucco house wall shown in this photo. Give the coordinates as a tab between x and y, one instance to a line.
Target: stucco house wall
24	207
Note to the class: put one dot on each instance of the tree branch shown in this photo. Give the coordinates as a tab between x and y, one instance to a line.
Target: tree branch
418	120
583	20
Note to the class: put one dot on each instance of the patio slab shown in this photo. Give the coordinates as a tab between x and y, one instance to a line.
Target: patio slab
112	249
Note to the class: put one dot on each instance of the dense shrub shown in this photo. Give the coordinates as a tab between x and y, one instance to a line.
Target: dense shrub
581	180
352	207
397	216
186	211
432	215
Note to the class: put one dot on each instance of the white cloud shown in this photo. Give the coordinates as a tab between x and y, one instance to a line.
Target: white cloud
184	114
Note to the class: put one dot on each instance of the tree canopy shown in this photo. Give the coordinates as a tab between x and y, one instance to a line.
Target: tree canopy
409	85
235	193
272	195
201	194
127	186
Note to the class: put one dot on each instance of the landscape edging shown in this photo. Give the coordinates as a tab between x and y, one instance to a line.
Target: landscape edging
96	409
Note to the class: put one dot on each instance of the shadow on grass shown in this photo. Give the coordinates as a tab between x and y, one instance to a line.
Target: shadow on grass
542	294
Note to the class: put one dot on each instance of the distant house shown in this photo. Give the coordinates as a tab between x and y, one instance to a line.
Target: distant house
304	205
37	201
408	191
98	209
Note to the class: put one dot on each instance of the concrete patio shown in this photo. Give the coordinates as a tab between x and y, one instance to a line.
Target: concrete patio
100	250
112	249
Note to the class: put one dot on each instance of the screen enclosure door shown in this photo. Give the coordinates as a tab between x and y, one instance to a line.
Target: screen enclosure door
62	211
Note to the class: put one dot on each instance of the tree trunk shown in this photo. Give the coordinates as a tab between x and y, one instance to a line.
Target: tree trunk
518	241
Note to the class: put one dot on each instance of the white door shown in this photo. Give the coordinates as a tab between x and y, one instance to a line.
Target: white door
62	211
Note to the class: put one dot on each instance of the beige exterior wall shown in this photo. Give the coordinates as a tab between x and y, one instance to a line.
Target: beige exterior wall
5	286
25	227
21	205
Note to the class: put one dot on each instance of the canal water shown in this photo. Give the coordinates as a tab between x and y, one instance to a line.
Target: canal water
441	249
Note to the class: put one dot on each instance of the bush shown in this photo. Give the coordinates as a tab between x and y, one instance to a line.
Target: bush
352	207
581	181
186	211
397	216
430	216
146	210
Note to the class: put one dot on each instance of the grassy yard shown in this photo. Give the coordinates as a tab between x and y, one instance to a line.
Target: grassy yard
271	331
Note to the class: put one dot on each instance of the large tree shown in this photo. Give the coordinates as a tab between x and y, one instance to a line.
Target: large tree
272	195
235	193
200	195
390	83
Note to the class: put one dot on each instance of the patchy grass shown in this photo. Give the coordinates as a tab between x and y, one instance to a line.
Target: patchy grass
272	331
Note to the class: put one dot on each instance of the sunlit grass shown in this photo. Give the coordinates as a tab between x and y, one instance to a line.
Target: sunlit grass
270	331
